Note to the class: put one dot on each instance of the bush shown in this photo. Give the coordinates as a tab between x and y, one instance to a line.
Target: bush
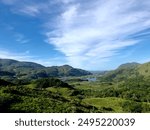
51	82
132	107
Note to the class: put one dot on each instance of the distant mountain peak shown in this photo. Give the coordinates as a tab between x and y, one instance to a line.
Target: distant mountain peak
67	66
19	63
129	65
128	70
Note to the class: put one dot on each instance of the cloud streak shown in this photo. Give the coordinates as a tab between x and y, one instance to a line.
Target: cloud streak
20	38
26	56
31	10
4	54
90	33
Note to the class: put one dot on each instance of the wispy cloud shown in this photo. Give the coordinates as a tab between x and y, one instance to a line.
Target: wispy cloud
31	10
94	32
20	38
5	54
90	33
26	56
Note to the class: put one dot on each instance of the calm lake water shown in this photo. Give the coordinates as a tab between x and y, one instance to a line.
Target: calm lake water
91	79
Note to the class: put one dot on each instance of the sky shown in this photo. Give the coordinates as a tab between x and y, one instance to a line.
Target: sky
87	34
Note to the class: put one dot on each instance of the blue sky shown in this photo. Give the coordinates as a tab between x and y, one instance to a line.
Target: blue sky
92	35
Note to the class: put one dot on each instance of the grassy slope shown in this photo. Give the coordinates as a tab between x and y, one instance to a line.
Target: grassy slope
109	102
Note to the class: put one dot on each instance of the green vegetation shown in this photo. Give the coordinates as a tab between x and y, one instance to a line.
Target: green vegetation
126	89
108	104
53	96
51	82
12	70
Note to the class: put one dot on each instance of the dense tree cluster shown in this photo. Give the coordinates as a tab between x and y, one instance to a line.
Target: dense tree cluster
51	82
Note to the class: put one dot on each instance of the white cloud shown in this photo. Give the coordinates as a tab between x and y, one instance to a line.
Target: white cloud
57	61
26	56
20	38
90	33
31	10
4	54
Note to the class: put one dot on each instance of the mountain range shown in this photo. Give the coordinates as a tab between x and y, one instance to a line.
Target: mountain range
12	69
32	88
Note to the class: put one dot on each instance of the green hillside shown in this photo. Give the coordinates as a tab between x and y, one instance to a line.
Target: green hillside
127	71
12	69
45	95
144	69
126	89
123	72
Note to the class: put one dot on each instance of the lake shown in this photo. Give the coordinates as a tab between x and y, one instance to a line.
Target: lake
92	79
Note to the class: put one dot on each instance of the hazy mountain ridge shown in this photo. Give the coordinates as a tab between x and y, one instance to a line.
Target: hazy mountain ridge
128	70
10	69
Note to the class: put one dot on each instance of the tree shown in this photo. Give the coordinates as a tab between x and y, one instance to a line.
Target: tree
51	82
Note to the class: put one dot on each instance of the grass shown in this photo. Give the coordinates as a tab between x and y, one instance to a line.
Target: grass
91	85
109	102
32	86
63	91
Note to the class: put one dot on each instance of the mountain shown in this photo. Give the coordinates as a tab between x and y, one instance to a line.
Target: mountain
128	65
65	70
144	69
100	73
12	69
128	70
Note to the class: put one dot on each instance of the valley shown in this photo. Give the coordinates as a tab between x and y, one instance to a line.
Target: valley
124	90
